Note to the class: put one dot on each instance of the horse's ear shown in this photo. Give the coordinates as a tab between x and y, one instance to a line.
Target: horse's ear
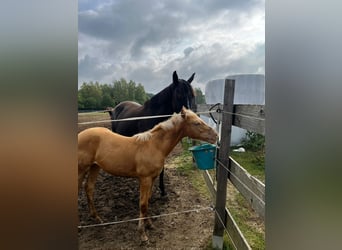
183	112
191	78
175	77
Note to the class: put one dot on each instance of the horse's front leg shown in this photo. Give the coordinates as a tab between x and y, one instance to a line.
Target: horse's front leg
145	189
89	187
161	183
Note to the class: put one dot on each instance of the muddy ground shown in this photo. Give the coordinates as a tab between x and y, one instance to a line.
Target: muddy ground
117	199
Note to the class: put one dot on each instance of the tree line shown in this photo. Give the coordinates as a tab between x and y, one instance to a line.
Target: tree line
96	96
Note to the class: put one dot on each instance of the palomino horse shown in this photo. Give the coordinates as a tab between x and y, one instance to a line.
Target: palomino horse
141	156
168	101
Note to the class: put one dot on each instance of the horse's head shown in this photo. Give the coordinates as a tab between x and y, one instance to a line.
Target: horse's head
196	128
183	93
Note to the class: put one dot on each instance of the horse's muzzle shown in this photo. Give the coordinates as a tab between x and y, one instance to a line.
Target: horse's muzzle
213	137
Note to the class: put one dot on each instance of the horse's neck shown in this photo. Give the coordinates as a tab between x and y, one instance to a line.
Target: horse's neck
166	140
161	103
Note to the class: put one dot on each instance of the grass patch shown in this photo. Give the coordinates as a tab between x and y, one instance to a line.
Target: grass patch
250	160
250	225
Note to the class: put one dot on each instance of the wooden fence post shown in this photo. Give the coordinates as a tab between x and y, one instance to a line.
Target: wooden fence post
222	173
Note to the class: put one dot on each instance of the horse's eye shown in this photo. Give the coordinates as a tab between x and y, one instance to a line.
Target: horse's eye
197	123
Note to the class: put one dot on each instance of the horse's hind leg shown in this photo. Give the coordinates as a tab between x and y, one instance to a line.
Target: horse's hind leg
150	191
81	174
89	188
161	183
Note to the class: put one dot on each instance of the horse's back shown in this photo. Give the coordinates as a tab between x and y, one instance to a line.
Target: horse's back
126	109
94	139
91	135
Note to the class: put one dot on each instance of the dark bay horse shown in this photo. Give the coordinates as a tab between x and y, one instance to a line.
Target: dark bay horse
141	156
168	101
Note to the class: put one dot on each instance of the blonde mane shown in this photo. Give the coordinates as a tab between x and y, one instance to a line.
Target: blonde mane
144	136
166	125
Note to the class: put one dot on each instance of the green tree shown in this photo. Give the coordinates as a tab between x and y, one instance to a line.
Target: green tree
90	96
107	101
131	86
120	90
199	97
149	95
80	101
99	96
140	94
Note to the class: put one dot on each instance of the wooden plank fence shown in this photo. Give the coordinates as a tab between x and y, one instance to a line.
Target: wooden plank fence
252	118
242	114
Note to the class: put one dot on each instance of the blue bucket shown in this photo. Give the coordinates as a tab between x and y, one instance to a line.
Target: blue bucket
204	156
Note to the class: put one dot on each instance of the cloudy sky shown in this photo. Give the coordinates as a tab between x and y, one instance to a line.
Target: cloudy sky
145	41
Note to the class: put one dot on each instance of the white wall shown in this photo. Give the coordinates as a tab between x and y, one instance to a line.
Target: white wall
249	89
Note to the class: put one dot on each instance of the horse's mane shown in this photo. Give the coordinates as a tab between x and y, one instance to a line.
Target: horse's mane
166	125
160	97
166	94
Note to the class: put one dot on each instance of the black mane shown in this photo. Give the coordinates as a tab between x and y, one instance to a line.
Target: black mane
162	99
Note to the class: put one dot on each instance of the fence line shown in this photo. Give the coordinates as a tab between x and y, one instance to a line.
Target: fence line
127	119
138	118
95	111
246	116
148	217
164	116
260	199
225	229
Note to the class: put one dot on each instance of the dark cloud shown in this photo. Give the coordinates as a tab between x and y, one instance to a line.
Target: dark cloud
146	41
217	62
86	66
144	23
188	51
90	68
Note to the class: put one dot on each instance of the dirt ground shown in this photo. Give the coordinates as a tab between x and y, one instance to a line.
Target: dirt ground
117	199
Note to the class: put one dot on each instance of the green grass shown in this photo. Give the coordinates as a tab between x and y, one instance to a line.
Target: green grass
242	214
252	162
240	210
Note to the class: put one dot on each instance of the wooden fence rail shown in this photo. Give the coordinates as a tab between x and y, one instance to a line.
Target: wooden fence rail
247	116
250	187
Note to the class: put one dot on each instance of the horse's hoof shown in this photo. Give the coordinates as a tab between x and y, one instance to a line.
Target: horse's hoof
150	226
99	219
164	197
144	239
163	193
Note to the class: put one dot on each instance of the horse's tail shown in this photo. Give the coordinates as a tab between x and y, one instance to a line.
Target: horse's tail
114	114
117	111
